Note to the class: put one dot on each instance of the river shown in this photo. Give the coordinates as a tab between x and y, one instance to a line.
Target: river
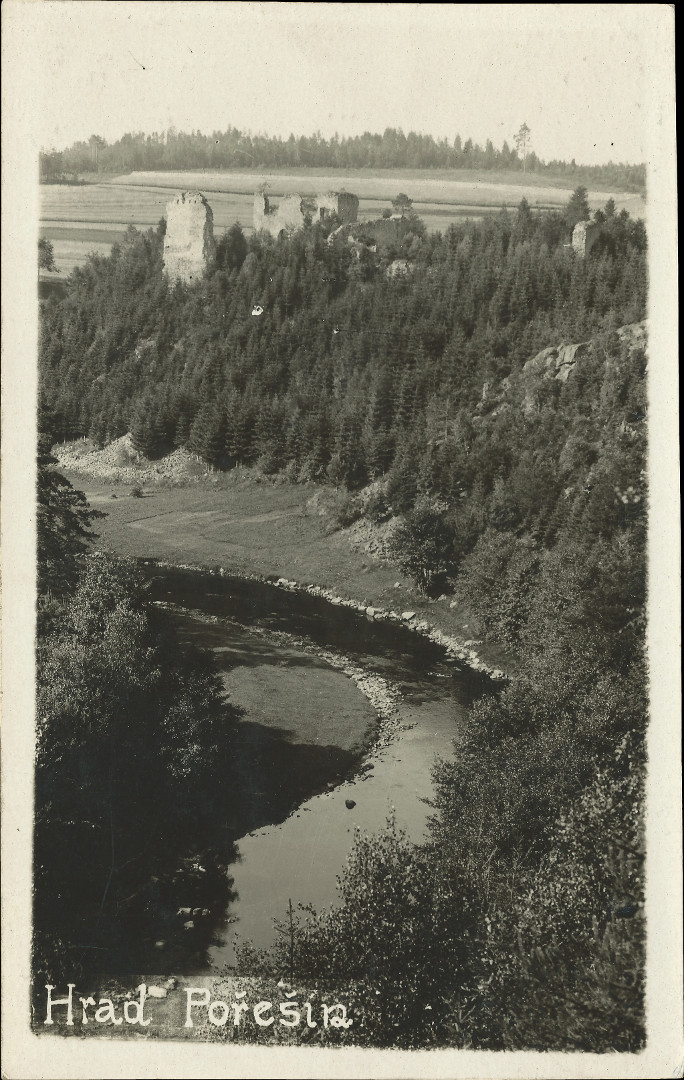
270	647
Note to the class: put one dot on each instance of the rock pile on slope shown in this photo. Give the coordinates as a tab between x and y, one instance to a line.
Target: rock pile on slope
119	461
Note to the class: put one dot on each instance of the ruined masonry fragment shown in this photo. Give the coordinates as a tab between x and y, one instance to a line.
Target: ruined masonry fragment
294	212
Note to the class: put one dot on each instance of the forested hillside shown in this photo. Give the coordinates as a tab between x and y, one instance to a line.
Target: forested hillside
346	372
521	488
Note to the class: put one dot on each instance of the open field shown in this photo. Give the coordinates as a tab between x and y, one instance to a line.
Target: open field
81	219
451	187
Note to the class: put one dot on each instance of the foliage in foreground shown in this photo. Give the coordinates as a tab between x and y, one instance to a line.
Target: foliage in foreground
132	730
64	526
436	946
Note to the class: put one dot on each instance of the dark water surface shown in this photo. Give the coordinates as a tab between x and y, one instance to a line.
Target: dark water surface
298	854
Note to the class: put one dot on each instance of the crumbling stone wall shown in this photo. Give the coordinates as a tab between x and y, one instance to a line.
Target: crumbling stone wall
287	215
342	203
584	236
189	245
294	212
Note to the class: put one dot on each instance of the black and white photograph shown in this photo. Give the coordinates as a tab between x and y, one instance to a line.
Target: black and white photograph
340	541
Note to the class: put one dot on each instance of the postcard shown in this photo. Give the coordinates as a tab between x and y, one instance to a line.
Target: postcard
340	541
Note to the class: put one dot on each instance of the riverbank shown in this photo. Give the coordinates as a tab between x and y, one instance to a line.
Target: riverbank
455	649
283	533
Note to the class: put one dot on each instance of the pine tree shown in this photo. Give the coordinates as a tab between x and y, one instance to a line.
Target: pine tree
208	434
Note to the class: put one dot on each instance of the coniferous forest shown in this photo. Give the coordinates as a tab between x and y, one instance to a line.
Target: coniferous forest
519	923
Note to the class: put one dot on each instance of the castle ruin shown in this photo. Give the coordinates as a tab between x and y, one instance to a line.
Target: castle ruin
584	236
380	232
189	245
295	212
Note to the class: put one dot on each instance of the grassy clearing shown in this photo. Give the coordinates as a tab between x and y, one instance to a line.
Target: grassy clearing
106	204
105	232
70	253
247	527
80	220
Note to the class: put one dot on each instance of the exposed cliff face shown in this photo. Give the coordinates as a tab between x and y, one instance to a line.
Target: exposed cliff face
189	246
557	363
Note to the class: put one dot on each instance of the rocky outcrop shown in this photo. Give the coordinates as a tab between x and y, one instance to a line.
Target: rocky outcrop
634	334
554	364
189	245
399	268
295	212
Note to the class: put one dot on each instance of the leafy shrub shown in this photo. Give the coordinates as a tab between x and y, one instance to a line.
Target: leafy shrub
131	726
346	511
423	547
565	959
395	943
377	508
495	582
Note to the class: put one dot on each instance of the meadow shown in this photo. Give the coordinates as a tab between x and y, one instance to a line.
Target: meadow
81	219
248	527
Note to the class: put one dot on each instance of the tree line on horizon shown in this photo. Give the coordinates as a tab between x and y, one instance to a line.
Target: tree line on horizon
236	149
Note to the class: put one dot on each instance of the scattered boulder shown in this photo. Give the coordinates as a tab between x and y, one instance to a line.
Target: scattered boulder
349	803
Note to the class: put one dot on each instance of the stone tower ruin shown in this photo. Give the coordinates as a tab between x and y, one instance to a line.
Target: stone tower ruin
584	236
189	245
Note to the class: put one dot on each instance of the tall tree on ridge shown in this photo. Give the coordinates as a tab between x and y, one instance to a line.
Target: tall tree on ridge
522	143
